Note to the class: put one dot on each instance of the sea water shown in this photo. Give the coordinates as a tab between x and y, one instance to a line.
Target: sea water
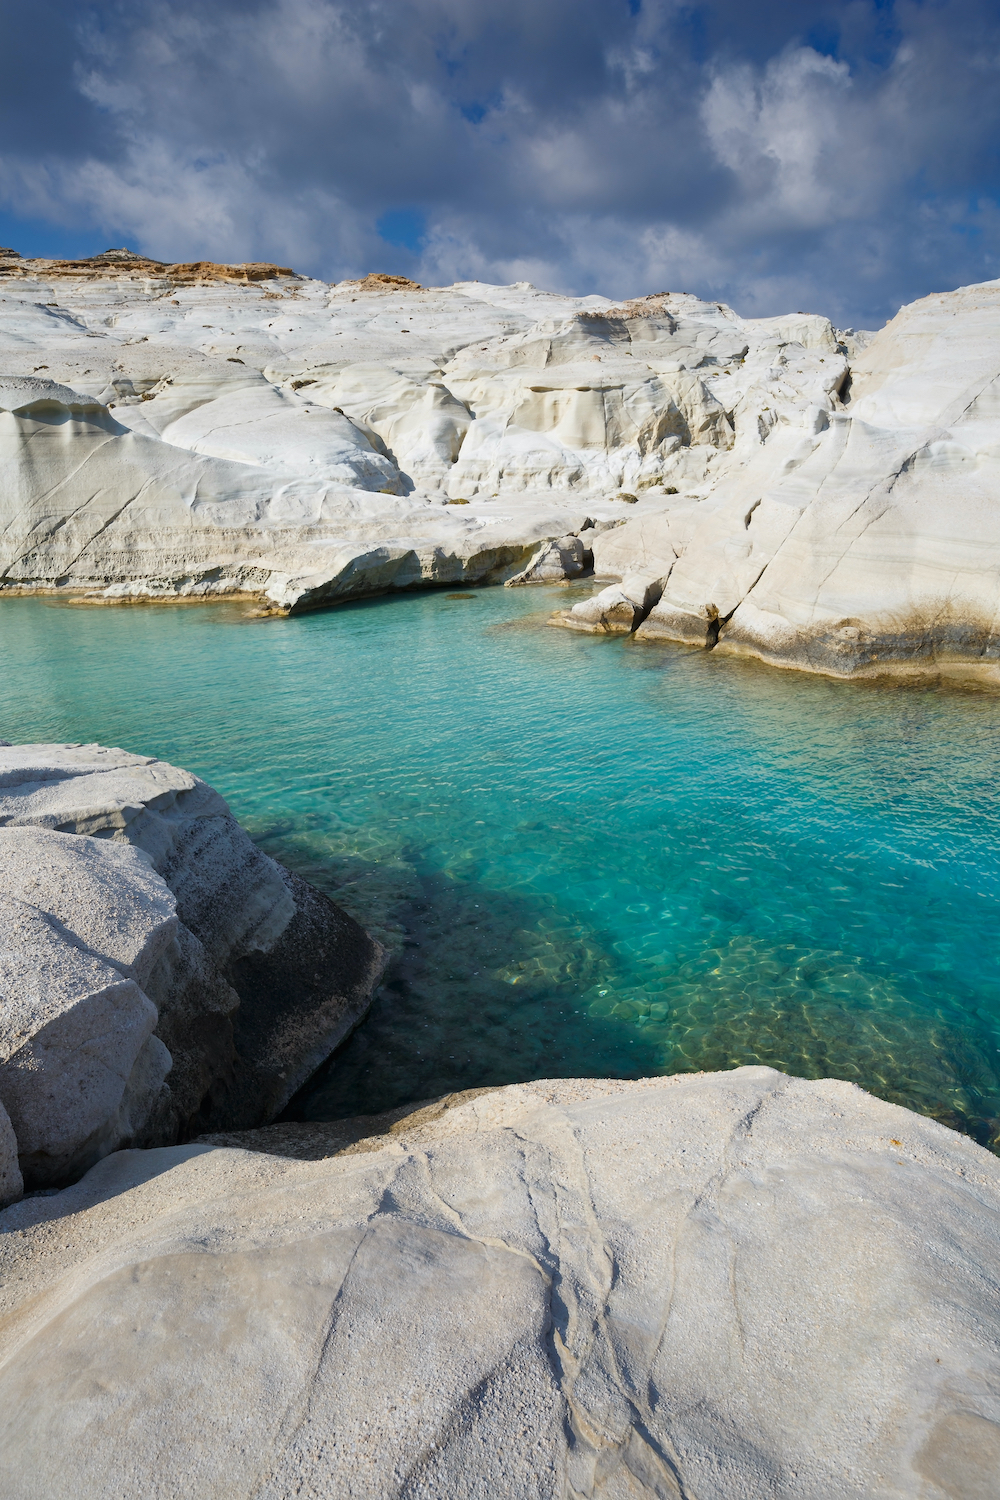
588	856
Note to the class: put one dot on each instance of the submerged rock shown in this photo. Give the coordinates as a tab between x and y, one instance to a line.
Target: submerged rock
160	973
725	1285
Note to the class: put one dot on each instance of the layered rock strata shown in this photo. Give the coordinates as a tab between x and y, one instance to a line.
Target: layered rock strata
728	1285
160	973
864	541
818	499
165	435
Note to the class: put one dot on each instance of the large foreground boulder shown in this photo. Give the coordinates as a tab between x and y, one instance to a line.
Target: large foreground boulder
729	1286
159	974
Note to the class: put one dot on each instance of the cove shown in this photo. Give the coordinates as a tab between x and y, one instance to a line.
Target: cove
588	856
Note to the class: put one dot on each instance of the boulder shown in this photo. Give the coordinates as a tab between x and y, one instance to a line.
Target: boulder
728	1285
161	973
611	612
83	923
616	610
556	561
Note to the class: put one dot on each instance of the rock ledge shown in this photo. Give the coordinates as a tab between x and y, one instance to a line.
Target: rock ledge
728	1285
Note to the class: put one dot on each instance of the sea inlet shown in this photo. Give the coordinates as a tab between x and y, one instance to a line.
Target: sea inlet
588	856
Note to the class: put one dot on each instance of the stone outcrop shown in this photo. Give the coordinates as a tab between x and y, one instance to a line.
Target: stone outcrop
728	1285
124	264
817	499
566	557
869	540
300	443
160	973
617	610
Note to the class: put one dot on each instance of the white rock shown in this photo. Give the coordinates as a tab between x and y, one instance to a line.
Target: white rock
83	923
414	415
651	543
224	465
105	894
180	823
141	933
563	558
616	610
611	611
870	541
255	422
727	1285
243	417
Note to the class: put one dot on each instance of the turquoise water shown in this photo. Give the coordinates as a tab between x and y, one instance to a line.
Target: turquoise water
589	856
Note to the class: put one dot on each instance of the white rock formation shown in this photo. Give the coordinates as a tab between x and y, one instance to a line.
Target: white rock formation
617	610
84	922
236	414
565	557
868	537
728	1286
283	438
820	500
158	970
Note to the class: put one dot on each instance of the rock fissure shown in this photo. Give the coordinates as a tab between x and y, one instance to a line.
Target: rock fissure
357	1325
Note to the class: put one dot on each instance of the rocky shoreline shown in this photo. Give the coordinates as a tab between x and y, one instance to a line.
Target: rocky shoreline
723	1285
815	498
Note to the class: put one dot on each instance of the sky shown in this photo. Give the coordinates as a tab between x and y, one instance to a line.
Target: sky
780	155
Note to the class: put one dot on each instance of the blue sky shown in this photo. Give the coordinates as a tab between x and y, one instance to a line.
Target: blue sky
833	157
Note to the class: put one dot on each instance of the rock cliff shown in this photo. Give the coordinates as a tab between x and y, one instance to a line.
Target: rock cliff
818	499
727	1286
160	974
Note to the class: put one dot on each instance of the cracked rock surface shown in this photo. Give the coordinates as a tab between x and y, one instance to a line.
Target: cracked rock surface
866	537
159	974
184	430
723	1286
817	499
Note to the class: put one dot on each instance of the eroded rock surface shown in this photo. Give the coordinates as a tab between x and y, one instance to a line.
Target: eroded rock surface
872	540
726	1286
617	610
159	972
275	436
817	499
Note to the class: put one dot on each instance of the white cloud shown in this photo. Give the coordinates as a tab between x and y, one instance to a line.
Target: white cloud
781	130
559	141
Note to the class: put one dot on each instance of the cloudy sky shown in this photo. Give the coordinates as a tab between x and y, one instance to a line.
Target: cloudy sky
779	154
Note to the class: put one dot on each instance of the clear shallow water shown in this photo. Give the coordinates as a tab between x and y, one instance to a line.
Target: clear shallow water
589	856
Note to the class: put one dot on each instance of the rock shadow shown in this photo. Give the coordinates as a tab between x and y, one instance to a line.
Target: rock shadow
484	988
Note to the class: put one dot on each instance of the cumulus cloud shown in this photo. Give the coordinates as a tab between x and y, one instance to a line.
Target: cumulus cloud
779	131
840	157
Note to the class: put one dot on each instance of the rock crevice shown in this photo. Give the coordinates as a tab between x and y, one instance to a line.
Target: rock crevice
719	1285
